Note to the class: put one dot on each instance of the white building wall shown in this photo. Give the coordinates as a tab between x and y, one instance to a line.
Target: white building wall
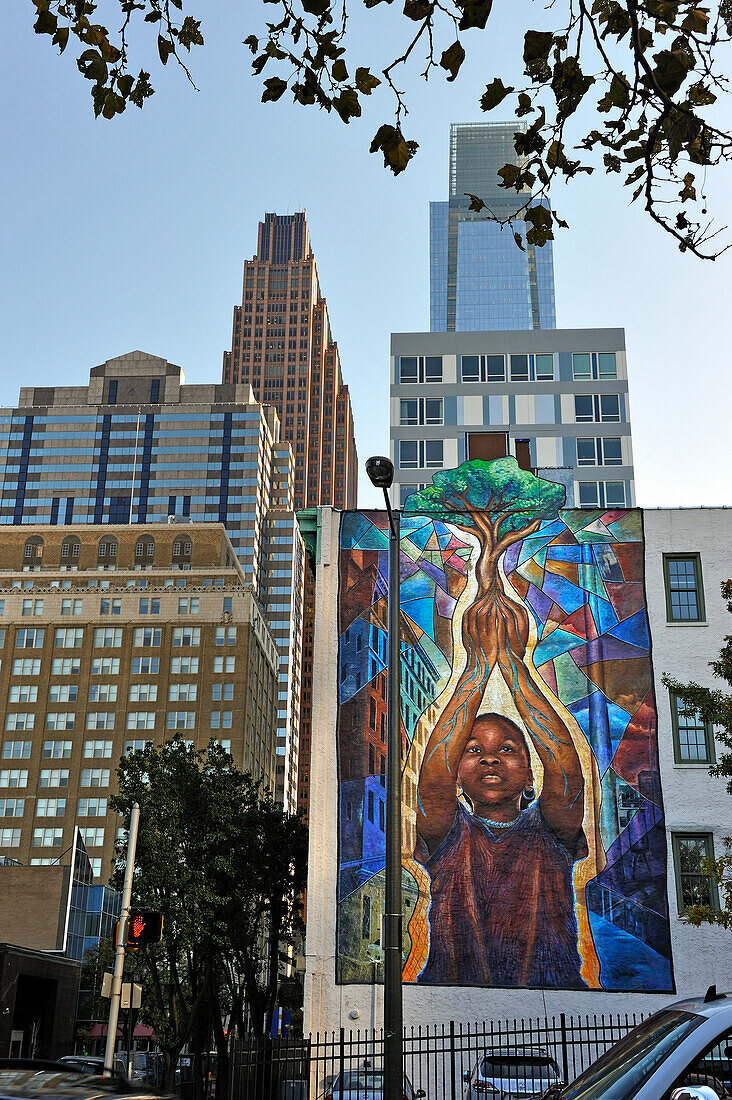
694	802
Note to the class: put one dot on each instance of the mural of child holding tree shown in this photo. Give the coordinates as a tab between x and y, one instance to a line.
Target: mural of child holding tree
500	850
534	842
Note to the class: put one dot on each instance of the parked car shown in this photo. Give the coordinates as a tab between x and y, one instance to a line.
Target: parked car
507	1075
366	1084
34	1079
91	1063
682	1052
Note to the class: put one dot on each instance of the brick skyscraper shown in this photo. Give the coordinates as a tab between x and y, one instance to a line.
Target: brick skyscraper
282	345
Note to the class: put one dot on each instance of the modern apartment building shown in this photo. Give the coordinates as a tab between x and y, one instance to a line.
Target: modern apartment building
138	445
556	398
113	637
283	347
480	279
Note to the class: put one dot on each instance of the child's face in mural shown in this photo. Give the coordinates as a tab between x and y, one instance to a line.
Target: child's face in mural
494	769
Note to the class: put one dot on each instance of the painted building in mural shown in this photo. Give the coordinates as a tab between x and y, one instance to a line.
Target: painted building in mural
556	804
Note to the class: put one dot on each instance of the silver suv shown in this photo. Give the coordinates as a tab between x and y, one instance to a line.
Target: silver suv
512	1075
683	1052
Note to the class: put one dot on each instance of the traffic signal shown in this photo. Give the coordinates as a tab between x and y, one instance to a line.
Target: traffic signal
144	926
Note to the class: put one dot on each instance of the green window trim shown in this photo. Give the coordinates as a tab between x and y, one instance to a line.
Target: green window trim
677	840
698	587
710	756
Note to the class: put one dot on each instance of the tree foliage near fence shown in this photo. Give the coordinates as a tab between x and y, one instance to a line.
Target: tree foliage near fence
227	868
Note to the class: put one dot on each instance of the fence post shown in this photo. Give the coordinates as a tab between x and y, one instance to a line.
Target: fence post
232	1070
342	1060
565	1060
453	1082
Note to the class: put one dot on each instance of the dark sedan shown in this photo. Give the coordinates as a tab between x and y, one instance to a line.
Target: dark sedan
32	1079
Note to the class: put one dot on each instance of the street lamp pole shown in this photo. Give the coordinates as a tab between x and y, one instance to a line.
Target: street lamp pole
381	474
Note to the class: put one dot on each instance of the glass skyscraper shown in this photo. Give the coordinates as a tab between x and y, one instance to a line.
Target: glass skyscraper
480	280
138	445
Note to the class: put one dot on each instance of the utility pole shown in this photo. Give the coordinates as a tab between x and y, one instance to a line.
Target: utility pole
119	956
381	474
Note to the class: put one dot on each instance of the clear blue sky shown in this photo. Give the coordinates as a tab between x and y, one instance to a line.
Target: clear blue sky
132	233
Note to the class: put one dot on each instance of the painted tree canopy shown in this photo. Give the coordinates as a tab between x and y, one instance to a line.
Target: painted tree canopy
509	497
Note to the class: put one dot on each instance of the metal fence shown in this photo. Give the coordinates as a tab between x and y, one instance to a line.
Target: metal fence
443	1062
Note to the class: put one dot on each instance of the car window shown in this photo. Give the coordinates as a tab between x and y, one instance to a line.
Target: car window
620	1072
518	1066
42	1078
365	1082
712	1068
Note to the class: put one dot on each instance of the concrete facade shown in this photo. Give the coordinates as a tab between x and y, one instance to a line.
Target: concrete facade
563	390
695	803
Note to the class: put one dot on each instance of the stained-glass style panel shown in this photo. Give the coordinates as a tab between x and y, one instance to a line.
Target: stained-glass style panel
534	850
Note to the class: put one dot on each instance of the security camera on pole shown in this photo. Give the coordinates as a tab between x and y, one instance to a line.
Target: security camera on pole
381	474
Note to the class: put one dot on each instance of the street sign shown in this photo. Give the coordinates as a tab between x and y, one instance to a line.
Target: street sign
131	992
131	995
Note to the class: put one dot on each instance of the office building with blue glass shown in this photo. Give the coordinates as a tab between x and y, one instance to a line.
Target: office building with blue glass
139	446
480	280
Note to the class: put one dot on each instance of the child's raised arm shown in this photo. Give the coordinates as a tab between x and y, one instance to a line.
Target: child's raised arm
562	793
437	794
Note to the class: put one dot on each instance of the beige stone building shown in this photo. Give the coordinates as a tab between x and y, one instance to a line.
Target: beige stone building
112	637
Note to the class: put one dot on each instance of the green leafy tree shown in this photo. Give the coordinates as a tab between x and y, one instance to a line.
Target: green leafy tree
714	706
627	86
262	882
226	866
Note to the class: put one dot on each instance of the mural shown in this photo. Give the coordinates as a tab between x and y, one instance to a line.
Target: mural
534	850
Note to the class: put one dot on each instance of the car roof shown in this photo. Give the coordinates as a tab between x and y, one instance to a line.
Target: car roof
711	1004
514	1052
93	1059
